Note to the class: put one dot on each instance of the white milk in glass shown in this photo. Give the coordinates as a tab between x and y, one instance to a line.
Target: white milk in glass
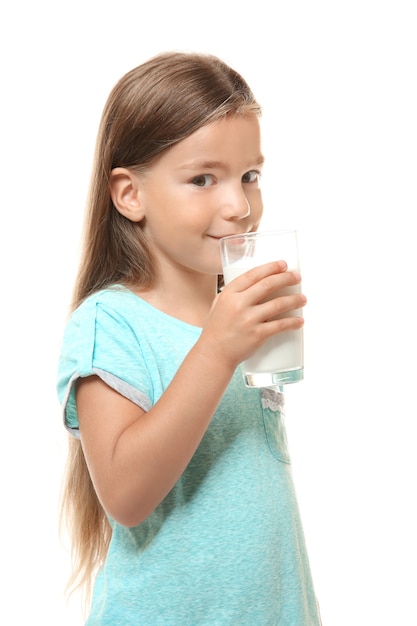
281	357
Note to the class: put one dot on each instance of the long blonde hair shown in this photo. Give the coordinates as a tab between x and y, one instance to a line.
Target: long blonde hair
151	108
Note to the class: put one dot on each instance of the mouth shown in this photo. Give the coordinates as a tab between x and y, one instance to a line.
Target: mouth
218	237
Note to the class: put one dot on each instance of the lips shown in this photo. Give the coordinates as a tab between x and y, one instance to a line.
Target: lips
226	235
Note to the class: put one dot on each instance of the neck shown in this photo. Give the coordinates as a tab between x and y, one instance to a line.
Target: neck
188	300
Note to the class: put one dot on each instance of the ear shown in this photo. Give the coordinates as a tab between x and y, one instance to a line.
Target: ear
124	191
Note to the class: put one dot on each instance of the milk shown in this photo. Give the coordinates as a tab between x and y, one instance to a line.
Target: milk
280	359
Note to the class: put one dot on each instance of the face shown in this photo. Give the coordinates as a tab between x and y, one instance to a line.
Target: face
203	188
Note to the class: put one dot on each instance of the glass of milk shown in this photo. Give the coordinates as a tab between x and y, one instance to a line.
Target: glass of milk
280	360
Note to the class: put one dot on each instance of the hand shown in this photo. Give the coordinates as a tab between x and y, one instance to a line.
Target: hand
250	309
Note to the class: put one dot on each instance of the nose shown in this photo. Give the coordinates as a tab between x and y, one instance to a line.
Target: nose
236	205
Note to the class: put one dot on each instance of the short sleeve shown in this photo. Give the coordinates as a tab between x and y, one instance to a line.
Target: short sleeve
99	340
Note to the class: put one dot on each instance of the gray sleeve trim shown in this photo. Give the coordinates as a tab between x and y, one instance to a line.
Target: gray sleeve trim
126	390
73	431
119	385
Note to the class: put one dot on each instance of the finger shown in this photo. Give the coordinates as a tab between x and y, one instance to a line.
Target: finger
275	285
255	274
283	306
281	325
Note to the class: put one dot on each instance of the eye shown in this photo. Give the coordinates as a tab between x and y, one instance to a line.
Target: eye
204	180
253	176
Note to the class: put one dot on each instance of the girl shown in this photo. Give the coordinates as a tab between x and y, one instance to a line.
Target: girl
178	491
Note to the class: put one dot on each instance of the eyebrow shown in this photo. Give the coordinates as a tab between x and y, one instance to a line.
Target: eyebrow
200	164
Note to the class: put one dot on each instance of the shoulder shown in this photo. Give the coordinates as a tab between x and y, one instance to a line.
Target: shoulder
104	332
113	306
117	298
102	319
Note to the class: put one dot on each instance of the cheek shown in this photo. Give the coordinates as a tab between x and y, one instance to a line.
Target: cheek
194	222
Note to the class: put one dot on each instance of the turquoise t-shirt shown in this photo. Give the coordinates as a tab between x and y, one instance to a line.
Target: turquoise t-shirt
226	545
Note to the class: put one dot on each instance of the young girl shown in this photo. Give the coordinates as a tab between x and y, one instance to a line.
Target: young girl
178	492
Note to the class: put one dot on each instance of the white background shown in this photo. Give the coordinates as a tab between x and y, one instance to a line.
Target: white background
337	81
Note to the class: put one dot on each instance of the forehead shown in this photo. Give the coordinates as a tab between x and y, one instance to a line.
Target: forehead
234	138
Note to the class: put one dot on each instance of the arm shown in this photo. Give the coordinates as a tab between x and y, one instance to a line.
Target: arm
136	458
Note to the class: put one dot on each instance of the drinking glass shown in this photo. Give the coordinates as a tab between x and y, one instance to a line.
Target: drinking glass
280	360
